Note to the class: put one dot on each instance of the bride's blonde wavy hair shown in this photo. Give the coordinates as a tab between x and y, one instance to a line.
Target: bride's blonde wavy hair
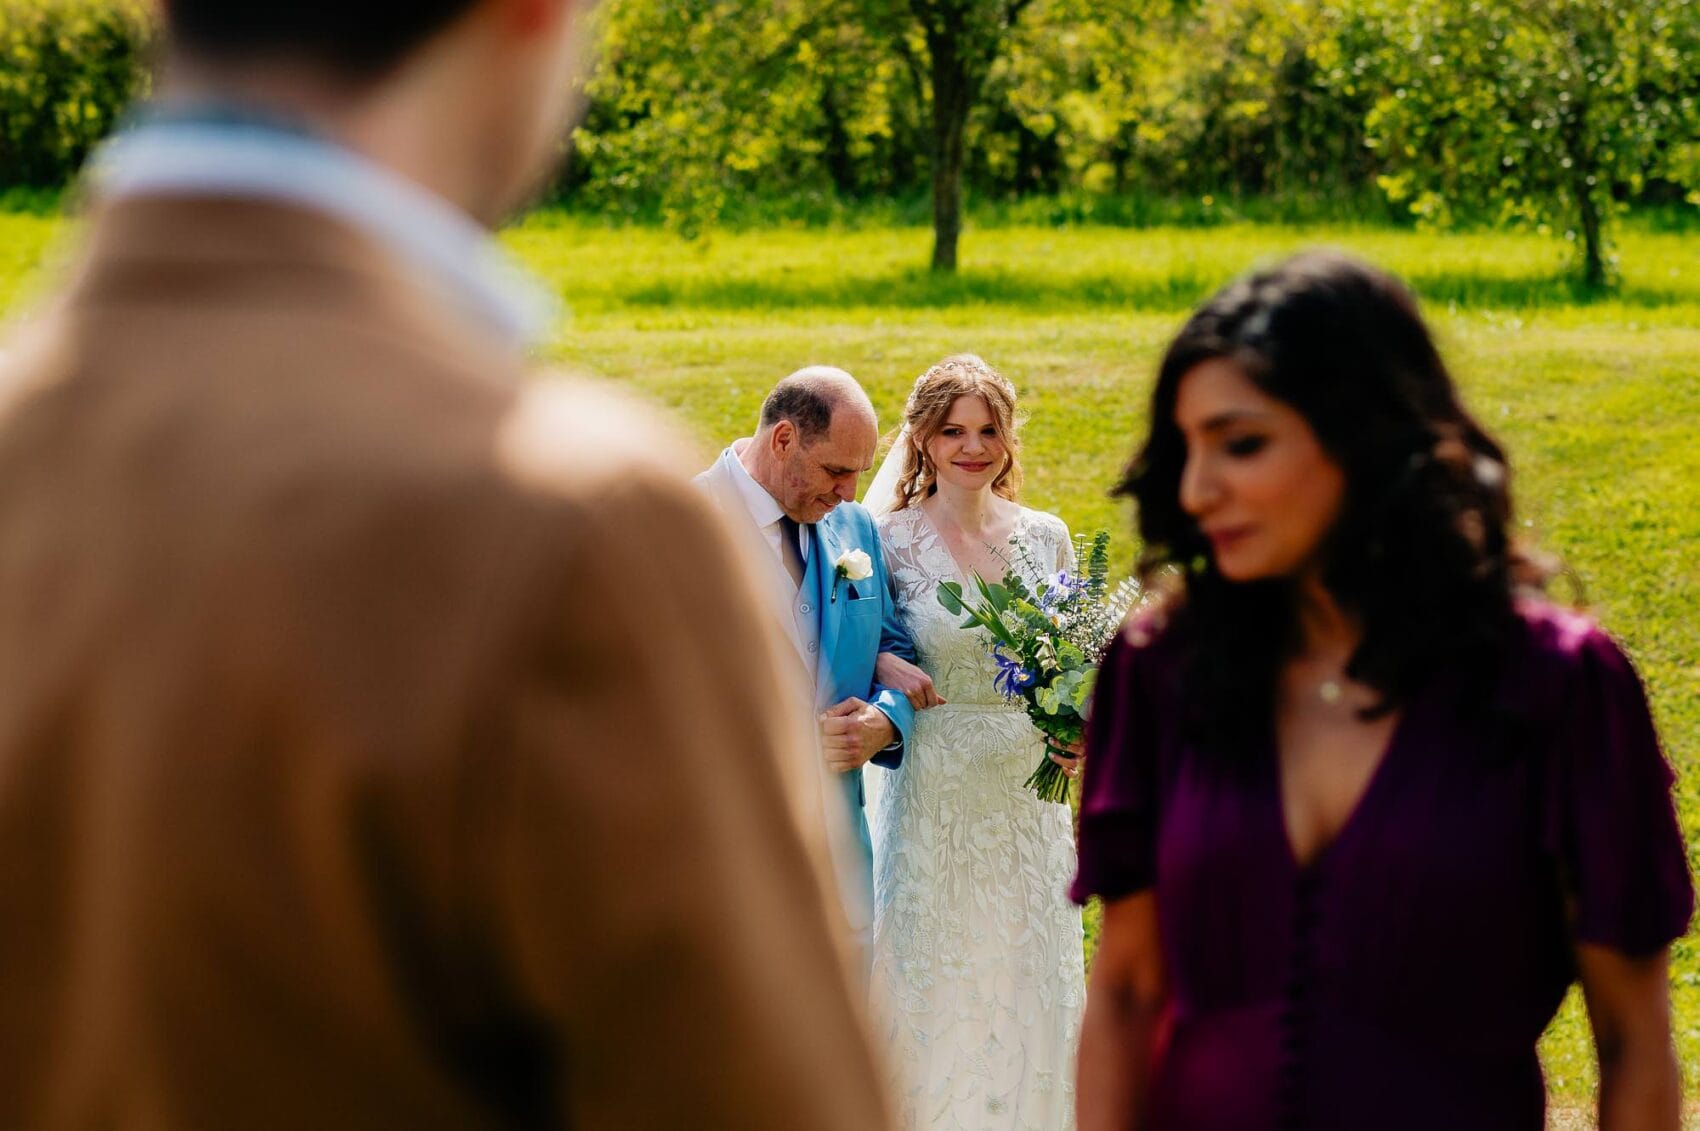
928	408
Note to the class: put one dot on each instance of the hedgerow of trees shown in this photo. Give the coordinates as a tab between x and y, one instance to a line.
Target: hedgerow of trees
1554	113
1557	114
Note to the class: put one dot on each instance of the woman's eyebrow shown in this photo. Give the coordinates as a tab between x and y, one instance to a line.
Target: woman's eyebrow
1232	416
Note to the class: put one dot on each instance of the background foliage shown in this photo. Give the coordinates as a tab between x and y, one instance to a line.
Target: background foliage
68	68
1551	111
1555	114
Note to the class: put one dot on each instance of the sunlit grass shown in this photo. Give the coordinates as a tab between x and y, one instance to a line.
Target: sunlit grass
1598	397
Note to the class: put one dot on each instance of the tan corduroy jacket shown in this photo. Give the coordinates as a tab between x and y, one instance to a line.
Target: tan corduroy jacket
382	744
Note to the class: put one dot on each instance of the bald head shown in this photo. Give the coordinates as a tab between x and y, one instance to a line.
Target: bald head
818	434
811	397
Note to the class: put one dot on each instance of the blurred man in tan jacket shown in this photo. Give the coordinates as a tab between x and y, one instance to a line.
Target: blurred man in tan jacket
381	745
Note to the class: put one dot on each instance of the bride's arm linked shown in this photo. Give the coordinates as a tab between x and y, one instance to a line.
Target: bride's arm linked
893	671
895	667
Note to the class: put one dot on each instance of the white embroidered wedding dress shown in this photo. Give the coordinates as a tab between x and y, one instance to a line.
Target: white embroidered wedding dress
978	979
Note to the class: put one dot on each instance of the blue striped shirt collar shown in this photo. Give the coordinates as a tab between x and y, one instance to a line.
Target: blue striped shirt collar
213	151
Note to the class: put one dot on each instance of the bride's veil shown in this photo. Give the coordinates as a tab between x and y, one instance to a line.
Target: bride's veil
881	494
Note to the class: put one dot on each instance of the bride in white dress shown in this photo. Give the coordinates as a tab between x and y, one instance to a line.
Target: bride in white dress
978	980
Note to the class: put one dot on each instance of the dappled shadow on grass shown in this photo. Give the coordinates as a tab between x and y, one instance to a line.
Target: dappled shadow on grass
1052	290
923	289
1536	291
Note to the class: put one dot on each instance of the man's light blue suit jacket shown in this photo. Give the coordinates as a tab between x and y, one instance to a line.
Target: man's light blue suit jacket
853	629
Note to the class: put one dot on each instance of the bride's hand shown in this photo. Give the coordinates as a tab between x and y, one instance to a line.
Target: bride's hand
907	679
1075	758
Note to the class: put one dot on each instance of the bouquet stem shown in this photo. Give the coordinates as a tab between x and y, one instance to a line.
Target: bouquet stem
1049	781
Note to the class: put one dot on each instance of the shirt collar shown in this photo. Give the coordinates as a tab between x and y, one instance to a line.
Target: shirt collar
230	152
763	507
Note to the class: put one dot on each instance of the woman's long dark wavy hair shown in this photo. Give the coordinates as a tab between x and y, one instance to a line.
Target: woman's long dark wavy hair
1420	552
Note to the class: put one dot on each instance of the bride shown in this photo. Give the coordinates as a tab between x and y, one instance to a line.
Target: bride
978	980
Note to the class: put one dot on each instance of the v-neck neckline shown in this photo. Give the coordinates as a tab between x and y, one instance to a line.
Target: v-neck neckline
1367	799
959	575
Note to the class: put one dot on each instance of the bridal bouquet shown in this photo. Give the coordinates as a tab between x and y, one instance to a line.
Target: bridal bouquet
1047	641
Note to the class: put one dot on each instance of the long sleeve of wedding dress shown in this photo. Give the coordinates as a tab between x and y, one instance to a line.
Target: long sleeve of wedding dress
978	979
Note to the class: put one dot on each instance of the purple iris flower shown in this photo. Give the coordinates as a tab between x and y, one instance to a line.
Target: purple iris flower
1058	587
1012	679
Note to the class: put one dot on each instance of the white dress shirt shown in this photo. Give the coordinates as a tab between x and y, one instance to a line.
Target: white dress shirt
764	509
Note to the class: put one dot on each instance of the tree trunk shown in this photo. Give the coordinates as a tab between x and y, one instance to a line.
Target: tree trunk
953	97
836	153
1593	252
1582	171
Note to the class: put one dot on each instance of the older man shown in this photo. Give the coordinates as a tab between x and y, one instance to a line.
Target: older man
793	486
364	762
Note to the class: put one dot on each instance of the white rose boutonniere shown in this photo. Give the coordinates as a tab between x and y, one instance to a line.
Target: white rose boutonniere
852	565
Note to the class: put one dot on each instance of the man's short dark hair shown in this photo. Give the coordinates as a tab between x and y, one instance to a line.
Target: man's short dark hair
359	37
805	403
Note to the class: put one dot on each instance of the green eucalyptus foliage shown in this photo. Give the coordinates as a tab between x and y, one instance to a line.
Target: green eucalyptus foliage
68	68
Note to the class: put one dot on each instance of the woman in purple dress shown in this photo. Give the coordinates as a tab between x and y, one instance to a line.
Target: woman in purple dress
1361	804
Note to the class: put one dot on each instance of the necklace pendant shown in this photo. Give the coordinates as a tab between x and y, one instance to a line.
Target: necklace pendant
1331	691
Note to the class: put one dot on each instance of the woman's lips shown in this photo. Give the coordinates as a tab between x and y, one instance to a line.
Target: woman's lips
1228	536
973	467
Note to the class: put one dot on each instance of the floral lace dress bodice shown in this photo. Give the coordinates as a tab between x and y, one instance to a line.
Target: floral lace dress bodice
978	978
959	661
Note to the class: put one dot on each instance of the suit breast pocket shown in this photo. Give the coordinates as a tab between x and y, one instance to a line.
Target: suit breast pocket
861	605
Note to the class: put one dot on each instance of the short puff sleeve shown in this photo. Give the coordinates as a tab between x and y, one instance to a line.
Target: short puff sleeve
1610	818
1119	796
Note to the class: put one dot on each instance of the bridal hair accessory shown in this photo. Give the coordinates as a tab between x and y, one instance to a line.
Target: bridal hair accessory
852	565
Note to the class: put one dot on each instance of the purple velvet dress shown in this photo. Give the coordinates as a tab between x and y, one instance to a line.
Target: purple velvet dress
1402	979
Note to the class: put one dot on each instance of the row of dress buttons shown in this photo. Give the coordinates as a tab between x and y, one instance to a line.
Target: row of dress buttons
1293	1011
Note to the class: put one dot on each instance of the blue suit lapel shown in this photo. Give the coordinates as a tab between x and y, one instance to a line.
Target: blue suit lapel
822	574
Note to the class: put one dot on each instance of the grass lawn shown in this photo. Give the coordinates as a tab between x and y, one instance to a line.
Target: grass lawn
1598	401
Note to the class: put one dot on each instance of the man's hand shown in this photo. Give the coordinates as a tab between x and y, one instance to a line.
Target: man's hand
853	732
901	676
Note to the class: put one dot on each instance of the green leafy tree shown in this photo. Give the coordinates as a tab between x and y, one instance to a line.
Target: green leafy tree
1545	111
694	99
962	50
954	44
1070	88
700	98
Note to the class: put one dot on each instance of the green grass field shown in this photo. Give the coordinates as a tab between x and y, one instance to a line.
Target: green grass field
1597	399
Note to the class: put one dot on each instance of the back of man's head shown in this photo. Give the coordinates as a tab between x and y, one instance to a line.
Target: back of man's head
469	98
360	37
